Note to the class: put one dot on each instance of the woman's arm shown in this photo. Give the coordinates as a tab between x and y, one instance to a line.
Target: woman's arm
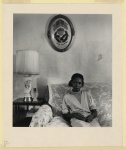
92	106
69	115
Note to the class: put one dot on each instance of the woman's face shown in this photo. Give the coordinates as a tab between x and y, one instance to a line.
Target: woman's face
77	84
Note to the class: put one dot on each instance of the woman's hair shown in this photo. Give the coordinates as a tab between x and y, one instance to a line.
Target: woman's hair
74	76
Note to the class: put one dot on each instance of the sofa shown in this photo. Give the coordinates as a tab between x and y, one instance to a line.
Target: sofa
51	113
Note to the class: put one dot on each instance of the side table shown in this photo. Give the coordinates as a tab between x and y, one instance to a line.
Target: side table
21	113
20	102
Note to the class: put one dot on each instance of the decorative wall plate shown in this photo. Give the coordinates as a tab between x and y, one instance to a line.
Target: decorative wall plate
60	33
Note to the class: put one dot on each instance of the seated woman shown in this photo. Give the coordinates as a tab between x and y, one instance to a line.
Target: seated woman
78	106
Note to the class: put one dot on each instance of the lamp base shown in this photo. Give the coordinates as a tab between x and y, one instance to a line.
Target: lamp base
28	99
27	89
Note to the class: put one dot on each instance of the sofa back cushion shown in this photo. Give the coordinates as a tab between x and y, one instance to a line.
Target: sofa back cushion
101	93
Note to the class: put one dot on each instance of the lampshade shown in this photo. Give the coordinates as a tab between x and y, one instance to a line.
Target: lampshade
27	62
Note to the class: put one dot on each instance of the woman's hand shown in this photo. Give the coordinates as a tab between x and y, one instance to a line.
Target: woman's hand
77	116
89	118
92	116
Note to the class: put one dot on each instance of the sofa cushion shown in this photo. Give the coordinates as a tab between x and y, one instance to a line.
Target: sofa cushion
56	94
102	94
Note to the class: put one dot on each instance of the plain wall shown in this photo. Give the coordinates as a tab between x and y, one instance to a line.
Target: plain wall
90	53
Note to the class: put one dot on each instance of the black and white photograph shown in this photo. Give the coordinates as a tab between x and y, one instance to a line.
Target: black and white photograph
62	75
62	70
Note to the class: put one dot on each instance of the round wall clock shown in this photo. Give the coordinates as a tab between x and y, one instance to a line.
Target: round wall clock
60	33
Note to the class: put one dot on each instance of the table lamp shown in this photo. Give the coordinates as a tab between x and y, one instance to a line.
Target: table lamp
27	64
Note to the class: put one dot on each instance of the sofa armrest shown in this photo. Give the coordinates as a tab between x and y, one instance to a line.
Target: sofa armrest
43	116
